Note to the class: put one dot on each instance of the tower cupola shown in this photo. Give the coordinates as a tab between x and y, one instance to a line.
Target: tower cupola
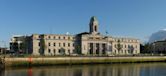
93	25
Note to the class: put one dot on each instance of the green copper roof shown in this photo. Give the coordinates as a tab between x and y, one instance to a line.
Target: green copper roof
93	18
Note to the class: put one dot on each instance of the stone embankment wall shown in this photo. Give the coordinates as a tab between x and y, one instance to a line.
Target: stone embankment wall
42	61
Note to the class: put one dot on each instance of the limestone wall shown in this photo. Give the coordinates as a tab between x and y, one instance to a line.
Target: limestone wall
38	61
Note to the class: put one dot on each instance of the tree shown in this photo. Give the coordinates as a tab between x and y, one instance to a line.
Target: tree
78	49
42	45
141	48
62	51
119	47
147	48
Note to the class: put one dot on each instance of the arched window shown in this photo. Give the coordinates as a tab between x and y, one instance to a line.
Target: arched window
54	44
49	50
49	37
95	28
49	44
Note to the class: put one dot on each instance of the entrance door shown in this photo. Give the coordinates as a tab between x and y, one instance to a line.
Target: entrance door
104	49
91	48
97	49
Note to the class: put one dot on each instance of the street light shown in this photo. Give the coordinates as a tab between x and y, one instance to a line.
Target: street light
154	47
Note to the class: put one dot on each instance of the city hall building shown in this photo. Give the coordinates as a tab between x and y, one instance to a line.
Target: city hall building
86	43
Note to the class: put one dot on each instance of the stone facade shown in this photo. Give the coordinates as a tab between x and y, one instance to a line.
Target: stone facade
86	43
54	44
3	50
159	47
94	43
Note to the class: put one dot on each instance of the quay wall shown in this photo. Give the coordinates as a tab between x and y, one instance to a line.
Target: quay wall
45	61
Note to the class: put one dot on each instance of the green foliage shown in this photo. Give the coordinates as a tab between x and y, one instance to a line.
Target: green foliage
119	47
78	49
147	48
42	45
62	51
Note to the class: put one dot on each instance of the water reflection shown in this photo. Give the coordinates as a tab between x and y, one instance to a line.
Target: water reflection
2	73
153	69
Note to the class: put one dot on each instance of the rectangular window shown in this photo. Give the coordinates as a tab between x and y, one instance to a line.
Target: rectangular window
49	50
59	51
68	44
54	44
64	44
49	37
69	51
73	44
49	44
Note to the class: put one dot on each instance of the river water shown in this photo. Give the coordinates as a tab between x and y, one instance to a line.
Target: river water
136	69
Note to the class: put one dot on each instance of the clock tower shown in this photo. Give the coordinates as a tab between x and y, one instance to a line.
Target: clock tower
93	26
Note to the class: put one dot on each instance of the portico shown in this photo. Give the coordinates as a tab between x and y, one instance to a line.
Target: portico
97	48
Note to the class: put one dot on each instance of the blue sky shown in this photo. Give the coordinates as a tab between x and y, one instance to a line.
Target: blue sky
126	18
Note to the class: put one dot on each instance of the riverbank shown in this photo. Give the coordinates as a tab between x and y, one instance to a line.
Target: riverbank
44	61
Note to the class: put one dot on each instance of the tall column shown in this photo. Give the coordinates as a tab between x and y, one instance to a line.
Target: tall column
108	48
100	48
94	48
88	52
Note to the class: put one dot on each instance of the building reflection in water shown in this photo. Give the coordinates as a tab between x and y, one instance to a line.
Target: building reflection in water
82	70
2	73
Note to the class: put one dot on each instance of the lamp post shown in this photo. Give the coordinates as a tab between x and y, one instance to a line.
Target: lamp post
154	47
